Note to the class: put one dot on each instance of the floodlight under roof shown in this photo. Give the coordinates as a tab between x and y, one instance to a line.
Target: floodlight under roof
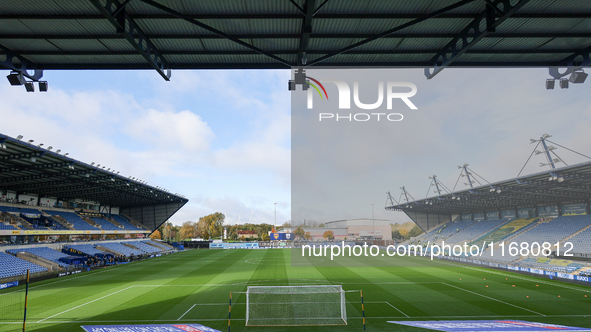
578	77
16	78
29	87
550	84
43	85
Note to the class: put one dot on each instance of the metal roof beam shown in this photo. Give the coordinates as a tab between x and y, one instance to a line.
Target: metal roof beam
391	31
282	16
115	13
17	62
153	36
306	30
28	155
44	176
572	62
247	52
486	22
266	65
216	31
15	168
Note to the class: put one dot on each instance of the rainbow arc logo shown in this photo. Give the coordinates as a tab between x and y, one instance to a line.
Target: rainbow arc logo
315	87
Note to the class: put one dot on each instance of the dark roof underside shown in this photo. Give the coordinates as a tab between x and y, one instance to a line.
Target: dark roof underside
198	34
570	184
27	168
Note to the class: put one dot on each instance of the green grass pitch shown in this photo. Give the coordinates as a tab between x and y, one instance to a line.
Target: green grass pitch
194	287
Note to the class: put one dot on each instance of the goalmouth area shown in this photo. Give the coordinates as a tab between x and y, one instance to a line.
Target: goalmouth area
193	287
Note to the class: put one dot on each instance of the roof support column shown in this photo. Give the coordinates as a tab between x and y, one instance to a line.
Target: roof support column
496	13
115	13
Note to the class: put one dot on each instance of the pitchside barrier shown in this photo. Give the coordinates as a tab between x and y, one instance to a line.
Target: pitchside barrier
550	274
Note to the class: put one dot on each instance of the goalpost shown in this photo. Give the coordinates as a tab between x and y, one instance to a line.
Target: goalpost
295	305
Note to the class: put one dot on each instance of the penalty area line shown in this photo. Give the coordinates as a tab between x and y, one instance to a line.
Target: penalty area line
400	311
186	312
388	303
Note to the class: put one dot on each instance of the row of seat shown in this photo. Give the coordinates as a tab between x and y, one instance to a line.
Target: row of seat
45	253
11	266
72	218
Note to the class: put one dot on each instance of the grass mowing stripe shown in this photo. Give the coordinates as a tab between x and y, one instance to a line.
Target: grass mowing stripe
165	287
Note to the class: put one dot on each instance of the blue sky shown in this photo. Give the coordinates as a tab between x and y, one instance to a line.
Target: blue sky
221	138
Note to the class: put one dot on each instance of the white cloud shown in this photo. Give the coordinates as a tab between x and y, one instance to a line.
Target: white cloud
185	129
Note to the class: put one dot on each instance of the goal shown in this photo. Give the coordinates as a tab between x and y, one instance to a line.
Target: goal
295	305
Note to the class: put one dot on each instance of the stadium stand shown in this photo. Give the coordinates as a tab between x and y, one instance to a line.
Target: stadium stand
126	224
45	253
581	241
158	245
75	220
121	249
475	231
7	227
447	230
554	230
87	249
507	230
11	266
106	225
144	247
18	210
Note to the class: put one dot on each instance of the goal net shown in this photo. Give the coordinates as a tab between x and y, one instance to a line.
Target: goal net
295	305
12	306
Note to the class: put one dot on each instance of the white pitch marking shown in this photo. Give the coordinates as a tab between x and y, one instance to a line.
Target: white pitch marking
490	298
388	303
400	311
186	312
100	298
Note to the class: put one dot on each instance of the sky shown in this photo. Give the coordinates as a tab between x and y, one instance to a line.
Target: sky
223	138
483	117
220	138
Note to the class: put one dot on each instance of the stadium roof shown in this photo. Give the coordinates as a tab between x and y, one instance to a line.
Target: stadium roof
28	168
203	34
569	184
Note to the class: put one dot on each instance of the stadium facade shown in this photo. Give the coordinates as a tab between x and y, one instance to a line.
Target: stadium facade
351	229
45	193
557	192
